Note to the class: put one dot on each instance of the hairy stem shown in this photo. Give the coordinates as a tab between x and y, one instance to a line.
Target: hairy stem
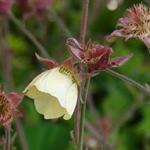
130	81
84	21
22	27
8	139
86	88
148	50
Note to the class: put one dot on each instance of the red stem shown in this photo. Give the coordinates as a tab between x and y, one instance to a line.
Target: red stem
84	21
82	36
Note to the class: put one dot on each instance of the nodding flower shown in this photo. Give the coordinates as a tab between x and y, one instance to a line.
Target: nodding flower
54	91
95	56
8	107
134	24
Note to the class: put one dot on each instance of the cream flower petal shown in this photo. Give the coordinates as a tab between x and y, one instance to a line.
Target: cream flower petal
31	84
71	101
46	104
54	83
54	93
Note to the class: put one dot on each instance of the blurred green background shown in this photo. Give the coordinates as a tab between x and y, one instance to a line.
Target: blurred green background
115	109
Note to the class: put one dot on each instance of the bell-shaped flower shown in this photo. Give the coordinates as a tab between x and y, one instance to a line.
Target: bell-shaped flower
95	56
54	91
8	106
134	24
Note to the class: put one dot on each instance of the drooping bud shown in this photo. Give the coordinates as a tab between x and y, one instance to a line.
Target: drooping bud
48	62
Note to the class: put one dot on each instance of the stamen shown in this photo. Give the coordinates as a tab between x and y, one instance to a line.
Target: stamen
136	22
67	72
4	108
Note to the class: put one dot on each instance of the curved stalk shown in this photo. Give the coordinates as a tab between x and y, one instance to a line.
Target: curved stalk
130	81
83	29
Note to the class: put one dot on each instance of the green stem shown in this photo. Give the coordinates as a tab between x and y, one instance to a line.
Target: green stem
148	49
130	81
87	83
83	29
8	138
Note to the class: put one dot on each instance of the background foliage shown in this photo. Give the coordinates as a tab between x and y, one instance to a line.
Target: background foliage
116	110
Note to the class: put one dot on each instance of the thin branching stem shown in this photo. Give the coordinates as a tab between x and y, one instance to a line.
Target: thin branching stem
8	138
129	80
83	29
86	89
84	21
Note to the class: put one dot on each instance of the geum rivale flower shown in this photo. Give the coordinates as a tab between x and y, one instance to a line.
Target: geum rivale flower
8	106
96	57
134	24
55	91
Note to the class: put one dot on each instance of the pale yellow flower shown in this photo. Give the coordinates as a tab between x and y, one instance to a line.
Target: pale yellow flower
55	93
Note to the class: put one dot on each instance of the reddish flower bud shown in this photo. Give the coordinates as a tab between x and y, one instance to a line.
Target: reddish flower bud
52	64
48	62
95	56
75	48
34	7
8	106
5	6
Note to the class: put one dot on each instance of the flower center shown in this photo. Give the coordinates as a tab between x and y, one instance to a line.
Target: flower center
4	108
64	70
139	21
